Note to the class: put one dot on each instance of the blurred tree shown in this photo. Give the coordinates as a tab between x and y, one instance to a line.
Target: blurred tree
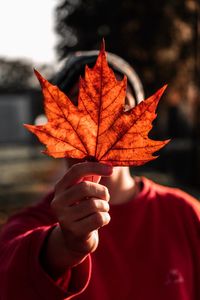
157	38
18	74
14	74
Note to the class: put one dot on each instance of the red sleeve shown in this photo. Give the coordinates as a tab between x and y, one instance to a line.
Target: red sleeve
22	276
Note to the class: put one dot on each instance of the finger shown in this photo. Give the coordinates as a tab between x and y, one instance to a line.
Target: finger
81	191
92	178
78	171
90	223
88	207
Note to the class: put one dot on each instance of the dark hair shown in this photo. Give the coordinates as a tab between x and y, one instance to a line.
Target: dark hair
74	66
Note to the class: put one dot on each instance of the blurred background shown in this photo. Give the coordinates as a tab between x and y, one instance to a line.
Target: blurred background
160	39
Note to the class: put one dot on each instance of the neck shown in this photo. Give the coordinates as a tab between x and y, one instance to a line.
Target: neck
121	185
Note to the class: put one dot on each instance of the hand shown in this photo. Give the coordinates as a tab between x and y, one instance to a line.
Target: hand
81	208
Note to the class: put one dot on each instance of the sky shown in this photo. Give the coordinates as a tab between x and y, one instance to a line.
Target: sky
26	30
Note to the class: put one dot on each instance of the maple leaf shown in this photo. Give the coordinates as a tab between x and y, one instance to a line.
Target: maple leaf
98	128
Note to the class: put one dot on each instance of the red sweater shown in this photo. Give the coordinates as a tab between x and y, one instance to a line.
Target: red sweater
150	250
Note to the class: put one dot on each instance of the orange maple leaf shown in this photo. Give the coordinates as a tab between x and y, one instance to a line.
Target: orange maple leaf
98	128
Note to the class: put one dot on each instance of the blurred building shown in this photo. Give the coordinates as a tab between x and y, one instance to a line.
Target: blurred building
16	108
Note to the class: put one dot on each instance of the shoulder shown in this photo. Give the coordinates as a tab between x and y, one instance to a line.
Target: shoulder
173	199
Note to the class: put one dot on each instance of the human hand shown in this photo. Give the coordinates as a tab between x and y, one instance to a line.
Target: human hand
81	208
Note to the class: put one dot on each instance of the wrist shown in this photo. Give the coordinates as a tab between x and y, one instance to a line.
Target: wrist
56	258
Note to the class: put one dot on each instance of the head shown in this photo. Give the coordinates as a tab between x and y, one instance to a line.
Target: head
73	67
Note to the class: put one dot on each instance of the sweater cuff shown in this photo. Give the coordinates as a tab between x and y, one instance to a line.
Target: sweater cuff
74	281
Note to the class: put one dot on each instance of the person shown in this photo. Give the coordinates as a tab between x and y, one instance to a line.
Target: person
117	237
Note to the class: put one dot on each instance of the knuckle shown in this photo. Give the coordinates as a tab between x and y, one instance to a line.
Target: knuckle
106	218
94	189
84	187
106	193
99	219
93	205
98	205
106	206
102	219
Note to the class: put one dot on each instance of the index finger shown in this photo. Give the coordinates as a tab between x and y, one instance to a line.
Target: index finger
81	170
